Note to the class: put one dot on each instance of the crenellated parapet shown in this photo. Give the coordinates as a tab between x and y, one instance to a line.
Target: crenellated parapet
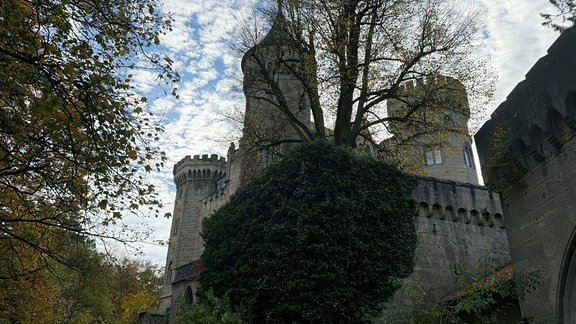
435	92
538	116
527	151
461	235
431	81
458	202
200	167
424	105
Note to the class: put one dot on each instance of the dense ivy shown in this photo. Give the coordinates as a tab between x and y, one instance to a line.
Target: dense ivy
321	236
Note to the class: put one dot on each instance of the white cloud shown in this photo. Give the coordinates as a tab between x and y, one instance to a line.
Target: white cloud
516	40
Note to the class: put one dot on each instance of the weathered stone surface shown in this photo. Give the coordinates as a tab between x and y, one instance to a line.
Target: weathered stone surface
534	164
461	235
200	189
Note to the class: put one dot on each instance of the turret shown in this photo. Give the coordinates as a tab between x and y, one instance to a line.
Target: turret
196	178
434	140
277	105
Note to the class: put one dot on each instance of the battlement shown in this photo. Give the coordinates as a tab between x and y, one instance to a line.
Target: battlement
200	167
440	94
199	159
538	116
458	202
431	82
460	231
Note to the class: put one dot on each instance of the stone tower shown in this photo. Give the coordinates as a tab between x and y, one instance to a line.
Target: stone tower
277	106
197	180
436	141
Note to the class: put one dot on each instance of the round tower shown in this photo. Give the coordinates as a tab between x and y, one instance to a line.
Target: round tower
197	179
434	140
277	104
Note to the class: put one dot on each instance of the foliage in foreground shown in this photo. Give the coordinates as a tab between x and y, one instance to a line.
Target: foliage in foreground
75	140
210	310
94	288
321	236
489	300
564	16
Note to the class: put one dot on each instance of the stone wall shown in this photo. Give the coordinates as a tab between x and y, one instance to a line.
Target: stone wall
528	151
459	227
461	235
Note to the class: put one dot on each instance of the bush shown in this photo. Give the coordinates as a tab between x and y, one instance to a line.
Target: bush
321	236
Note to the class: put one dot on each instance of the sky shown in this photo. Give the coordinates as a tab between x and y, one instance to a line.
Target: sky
210	69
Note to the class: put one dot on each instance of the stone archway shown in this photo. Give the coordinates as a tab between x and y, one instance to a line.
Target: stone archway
567	283
188	297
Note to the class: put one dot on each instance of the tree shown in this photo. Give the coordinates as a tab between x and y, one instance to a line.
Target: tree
74	139
137	288
320	236
563	18
56	294
86	288
352	57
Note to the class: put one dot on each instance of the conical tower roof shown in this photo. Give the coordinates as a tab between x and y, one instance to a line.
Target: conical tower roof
278	35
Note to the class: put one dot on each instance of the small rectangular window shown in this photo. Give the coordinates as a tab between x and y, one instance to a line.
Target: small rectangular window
438	156
433	156
429	157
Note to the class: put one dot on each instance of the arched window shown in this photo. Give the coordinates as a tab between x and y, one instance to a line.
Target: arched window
264	153
169	273
188	297
468	159
270	68
424	210
176	222
437	211
264	156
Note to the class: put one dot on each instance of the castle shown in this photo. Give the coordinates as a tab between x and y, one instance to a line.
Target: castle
462	227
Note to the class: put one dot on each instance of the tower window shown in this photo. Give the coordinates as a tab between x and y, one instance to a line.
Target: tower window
468	156
433	156
264	153
188	297
176	222
169	273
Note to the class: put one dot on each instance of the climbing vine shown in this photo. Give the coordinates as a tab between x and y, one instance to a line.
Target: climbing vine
321	236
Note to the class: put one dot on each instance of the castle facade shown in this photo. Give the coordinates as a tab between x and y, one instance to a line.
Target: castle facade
454	211
462	228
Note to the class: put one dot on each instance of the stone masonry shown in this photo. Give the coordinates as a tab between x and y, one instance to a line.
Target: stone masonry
527	150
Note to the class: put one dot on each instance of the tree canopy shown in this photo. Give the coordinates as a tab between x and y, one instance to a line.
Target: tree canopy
320	236
564	16
74	137
89	287
352	57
